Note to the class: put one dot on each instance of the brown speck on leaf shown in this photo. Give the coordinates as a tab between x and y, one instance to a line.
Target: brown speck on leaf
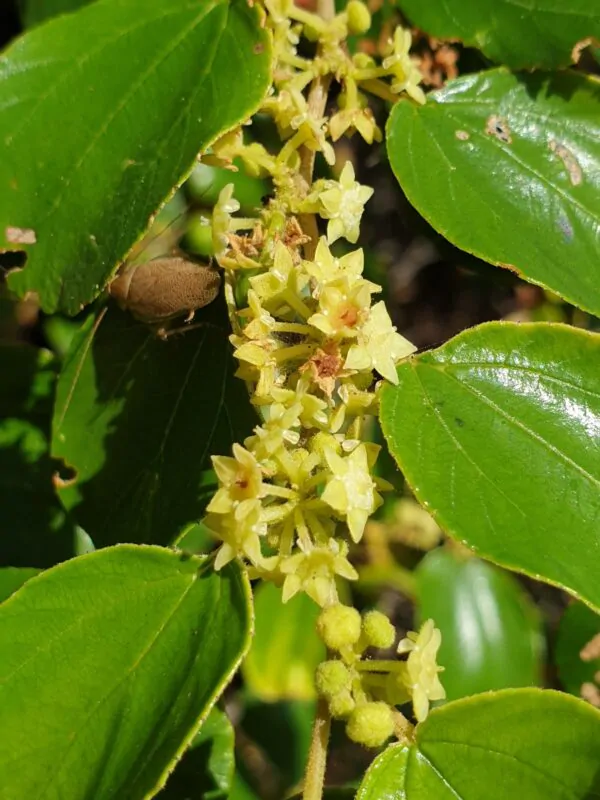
569	160
462	135
258	48
591	650
591	693
498	127
20	235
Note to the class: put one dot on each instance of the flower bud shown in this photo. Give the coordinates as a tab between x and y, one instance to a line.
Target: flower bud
332	678
378	630
341	705
362	61
370	724
339	626
359	18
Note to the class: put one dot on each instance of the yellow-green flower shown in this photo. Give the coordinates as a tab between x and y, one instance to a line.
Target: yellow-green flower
421	676
226	205
283	282
379	347
313	570
405	73
342	203
351	491
343	306
240	479
351	119
325	268
262	322
240	532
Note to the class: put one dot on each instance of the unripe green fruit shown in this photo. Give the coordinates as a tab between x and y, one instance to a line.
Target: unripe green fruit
359	17
339	626
370	724
332	678
378	630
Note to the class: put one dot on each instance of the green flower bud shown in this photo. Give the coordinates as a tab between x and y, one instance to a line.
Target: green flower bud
339	626
332	678
370	724
359	18
378	630
362	61
341	705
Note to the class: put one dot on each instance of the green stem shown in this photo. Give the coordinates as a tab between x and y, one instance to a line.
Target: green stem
314	778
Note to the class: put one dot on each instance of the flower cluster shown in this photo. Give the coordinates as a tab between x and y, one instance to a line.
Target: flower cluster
364	692
311	339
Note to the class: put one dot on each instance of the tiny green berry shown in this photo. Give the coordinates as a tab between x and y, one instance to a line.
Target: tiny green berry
341	705
370	724
332	678
359	18
339	626
378	630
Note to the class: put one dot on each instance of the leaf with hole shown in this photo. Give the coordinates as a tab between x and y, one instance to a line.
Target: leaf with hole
505	166
537	34
109	107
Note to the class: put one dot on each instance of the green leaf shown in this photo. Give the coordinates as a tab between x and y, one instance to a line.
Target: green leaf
523	196
530	743
578	626
285	650
35	11
541	33
493	431
206	770
126	650
12	578
34	530
138	418
111	104
491	632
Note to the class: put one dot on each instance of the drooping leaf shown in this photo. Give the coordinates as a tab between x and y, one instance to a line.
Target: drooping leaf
35	11
34	530
138	418
541	34
577	644
542	745
285	650
491	631
505	167
497	433
12	578
125	650
206	770
111	104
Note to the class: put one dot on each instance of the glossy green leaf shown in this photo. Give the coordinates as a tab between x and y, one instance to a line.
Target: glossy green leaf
285	650
35	11
206	770
540	33
127	649
110	105
576	665
12	578
138	418
491	631
528	743
505	166
496	432
34	530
